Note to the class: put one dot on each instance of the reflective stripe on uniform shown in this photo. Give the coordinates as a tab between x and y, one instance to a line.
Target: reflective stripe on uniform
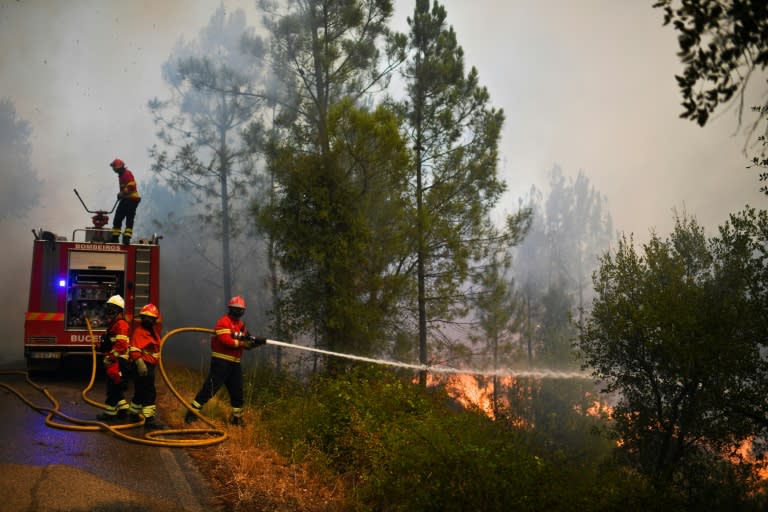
225	357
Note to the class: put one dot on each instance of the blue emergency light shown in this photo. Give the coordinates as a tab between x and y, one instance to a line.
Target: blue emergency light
62	283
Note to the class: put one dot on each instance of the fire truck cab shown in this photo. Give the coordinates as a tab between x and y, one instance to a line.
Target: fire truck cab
71	280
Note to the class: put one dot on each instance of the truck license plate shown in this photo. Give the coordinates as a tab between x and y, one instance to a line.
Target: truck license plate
45	355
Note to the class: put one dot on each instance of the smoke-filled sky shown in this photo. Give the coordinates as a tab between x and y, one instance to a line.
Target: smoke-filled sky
586	85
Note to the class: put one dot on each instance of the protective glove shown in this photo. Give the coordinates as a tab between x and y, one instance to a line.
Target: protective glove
141	367
248	343
104	343
254	341
119	195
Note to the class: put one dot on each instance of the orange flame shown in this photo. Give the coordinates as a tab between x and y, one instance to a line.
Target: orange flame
745	452
467	391
600	409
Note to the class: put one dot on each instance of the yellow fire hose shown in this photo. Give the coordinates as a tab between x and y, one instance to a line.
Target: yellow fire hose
211	435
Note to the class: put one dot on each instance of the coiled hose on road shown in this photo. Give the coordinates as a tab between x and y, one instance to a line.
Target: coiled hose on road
201	436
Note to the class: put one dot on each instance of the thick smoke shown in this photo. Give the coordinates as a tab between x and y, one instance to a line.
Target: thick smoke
19	184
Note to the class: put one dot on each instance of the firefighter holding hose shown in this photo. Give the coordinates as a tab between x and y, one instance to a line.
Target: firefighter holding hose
144	352
226	350
114	346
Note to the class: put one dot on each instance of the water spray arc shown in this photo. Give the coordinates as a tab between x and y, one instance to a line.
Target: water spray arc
541	373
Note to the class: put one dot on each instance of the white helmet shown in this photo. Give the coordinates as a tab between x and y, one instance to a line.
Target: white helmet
117	301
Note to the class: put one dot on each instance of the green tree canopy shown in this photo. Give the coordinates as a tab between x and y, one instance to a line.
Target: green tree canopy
678	332
723	43
321	219
342	249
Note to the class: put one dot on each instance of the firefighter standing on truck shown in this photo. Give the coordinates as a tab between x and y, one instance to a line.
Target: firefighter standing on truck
114	345
144	351
226	350
129	200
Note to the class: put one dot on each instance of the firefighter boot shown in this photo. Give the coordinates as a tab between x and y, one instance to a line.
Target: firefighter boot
237	421
126	240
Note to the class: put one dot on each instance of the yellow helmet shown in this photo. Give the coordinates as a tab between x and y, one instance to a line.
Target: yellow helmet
116	300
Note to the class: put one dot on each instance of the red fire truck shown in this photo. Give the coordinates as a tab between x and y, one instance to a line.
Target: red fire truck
71	281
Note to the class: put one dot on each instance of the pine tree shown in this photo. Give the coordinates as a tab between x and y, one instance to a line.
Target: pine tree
454	134
201	149
328	163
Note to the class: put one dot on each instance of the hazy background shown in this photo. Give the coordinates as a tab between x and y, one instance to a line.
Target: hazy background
585	85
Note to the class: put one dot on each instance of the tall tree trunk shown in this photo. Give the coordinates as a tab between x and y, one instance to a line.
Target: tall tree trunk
421	250
277	327
225	218
529	327
495	404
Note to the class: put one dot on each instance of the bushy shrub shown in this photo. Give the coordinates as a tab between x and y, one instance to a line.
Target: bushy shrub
403	448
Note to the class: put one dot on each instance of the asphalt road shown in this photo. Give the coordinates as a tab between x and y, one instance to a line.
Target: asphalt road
46	469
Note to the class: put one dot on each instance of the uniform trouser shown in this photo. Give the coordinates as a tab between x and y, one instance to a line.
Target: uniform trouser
222	373
144	393
126	210
116	392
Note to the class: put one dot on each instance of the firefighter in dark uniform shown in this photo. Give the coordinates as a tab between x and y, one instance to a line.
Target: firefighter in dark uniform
226	350
144	352
114	345
129	201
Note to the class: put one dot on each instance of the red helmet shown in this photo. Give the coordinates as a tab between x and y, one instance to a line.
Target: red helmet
236	302
150	310
117	164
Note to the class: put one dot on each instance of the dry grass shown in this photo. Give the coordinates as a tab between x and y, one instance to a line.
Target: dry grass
245	472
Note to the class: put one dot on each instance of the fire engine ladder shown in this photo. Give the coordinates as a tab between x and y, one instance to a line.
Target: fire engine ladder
141	279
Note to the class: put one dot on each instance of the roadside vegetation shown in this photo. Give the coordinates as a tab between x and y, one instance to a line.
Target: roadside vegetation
371	440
